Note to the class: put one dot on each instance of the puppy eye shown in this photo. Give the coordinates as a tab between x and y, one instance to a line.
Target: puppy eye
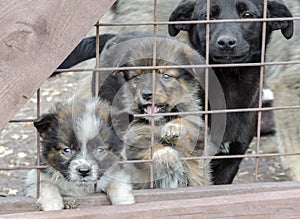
166	76
204	16
67	151
247	15
136	78
211	17
100	150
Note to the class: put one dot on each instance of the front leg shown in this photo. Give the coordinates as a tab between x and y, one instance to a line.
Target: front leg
224	170
50	198
118	188
120	193
186	132
168	169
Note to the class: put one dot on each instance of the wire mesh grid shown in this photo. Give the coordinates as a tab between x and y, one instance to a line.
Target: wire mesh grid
206	111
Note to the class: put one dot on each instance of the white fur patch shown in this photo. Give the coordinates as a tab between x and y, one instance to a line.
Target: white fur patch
86	125
83	160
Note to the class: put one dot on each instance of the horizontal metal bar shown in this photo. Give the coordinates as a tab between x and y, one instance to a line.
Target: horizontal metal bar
198	21
22	168
182	159
217	111
179	66
218	157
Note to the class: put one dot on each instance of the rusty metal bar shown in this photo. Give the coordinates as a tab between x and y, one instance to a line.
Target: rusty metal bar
216	111
153	99
206	85
183	159
38	144
220	111
22	168
261	81
221	157
213	111
182	66
97	72
199	21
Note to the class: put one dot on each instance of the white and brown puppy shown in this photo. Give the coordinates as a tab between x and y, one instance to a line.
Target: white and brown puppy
80	149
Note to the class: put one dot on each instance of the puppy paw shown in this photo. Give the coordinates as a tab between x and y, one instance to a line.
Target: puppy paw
120	193
52	204
172	131
123	200
166	157
50	198
168	169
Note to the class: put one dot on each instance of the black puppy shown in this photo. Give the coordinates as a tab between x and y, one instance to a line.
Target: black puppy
232	42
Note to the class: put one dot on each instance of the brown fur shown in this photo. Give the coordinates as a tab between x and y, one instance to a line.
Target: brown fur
176	90
175	137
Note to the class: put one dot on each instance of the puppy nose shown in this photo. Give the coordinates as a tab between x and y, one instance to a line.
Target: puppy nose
226	42
84	171
147	94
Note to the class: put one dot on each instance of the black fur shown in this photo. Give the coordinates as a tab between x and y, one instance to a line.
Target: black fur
234	42
85	50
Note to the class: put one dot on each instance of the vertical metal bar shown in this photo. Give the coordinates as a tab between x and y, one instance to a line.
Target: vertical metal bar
38	144
153	99
263	48
206	84
97	72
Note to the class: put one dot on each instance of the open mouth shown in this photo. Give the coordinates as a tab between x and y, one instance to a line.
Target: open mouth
147	109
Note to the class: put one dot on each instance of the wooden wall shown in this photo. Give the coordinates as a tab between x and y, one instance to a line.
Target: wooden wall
36	36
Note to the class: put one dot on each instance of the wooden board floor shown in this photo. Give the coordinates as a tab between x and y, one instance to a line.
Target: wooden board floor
256	200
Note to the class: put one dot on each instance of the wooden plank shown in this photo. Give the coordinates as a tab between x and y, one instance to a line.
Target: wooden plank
274	204
18	204
23	204
36	36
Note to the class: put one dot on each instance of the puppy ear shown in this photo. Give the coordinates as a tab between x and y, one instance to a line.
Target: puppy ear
277	9
85	50
117	73
183	12
122	73
46	125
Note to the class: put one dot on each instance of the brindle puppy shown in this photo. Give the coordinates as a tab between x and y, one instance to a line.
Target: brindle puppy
176	90
175	137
